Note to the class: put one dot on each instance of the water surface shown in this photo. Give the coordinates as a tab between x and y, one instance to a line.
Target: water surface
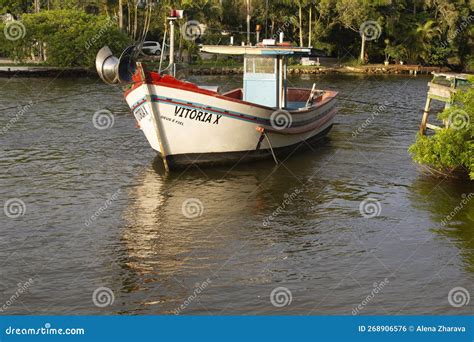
100	212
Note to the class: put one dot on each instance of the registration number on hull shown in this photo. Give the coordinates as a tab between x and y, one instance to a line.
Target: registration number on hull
140	113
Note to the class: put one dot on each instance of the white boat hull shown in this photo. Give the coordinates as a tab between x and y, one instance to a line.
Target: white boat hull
207	128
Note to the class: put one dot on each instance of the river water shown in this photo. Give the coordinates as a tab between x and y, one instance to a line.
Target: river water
101	228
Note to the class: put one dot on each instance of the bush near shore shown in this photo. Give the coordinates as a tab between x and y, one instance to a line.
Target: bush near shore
451	148
64	38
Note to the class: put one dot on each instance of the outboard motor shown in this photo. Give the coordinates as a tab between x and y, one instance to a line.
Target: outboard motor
113	70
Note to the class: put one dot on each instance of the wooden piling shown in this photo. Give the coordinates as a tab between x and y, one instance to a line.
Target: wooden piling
443	93
426	112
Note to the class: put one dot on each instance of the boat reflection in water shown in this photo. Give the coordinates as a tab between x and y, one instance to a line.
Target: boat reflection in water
181	230
207	226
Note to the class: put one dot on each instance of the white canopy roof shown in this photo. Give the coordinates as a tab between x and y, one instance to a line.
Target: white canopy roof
255	50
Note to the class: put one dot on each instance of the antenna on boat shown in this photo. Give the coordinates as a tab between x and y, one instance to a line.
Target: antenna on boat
174	15
163	48
281	77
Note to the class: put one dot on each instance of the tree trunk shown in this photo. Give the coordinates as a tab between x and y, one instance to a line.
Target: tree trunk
309	30
120	14
129	18
135	22
362	49
300	15
248	22
180	47
45	49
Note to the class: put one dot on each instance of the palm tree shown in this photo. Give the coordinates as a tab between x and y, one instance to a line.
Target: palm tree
424	35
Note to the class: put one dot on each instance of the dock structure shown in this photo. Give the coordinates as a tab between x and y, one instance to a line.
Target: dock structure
442	88
328	68
412	69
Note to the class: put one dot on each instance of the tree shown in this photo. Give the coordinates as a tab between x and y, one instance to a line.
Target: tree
425	34
301	5
72	37
120	14
352	14
435	32
324	23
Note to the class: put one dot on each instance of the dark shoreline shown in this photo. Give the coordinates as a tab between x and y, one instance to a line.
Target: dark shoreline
46	71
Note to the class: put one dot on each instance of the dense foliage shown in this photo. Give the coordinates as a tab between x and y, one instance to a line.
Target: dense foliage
453	147
64	37
434	32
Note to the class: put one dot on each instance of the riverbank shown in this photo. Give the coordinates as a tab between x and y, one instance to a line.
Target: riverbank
338	69
49	71
43	71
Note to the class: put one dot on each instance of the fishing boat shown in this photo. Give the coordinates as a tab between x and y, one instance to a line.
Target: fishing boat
191	124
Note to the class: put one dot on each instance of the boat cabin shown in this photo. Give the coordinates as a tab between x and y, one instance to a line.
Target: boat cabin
265	72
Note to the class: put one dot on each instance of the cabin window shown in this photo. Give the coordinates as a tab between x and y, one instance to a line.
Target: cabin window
260	65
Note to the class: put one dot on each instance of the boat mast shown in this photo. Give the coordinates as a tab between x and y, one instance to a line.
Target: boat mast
281	78
174	15
171	64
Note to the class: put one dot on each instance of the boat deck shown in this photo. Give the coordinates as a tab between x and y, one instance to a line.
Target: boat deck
295	104
297	97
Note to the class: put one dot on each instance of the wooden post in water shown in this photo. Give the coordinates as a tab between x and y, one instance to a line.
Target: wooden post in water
426	112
